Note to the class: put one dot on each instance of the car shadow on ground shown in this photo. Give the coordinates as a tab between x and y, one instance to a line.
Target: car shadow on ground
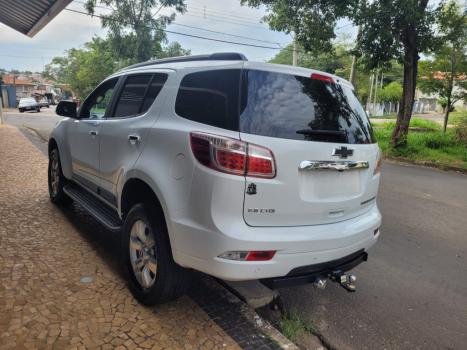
221	306
104	242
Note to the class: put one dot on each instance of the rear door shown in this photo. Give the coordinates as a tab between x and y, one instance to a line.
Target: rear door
323	146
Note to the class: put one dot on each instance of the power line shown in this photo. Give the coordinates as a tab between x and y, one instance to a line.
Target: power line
204	29
223	12
30	57
233	35
189	35
229	18
215	12
222	20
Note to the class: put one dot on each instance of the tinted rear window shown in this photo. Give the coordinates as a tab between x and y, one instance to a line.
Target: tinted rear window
300	108
210	97
157	83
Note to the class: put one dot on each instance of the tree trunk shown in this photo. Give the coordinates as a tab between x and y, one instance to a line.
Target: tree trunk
399	135
446	114
449	91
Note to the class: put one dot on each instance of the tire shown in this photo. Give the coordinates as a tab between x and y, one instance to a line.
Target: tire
160	279
21	110
56	180
38	109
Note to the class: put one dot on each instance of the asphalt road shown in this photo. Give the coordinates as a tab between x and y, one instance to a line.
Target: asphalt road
412	293
42	122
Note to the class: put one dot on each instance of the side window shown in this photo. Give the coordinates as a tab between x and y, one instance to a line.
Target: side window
98	102
138	94
210	97
157	82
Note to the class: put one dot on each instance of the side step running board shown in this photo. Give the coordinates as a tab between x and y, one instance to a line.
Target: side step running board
106	215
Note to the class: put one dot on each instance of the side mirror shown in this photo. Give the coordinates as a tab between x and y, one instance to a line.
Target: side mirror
67	109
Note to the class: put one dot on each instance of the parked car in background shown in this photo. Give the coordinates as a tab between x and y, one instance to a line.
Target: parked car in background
44	103
29	104
237	169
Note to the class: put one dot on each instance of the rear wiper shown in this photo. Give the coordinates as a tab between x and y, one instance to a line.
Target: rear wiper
321	132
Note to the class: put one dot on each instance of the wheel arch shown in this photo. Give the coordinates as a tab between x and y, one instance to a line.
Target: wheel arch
137	190
52	144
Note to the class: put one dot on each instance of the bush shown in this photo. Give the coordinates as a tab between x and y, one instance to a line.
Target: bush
437	140
391	92
460	131
424	124
432	146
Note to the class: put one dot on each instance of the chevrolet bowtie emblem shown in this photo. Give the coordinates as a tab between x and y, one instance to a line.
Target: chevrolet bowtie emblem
342	152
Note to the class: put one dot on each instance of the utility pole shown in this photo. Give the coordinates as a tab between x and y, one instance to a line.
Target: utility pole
1	107
1	101
376	91
352	70
294	52
14	86
371	93
353	67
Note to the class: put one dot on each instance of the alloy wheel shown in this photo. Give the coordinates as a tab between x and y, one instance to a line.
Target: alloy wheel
54	173
143	255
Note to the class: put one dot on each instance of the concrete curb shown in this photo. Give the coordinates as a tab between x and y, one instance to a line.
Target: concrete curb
427	164
262	325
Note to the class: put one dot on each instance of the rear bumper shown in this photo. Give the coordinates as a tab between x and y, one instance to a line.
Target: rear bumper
198	247
309	274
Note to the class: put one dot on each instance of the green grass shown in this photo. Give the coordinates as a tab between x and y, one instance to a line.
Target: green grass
414	123
389	116
293	327
432	146
457	116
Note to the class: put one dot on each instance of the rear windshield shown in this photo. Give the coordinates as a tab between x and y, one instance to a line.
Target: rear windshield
300	108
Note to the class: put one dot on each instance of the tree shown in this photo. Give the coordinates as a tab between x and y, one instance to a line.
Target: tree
135	33
336	61
392	92
83	69
391	29
445	74
174	49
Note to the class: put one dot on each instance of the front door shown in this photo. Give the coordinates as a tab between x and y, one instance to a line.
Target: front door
84	135
124	132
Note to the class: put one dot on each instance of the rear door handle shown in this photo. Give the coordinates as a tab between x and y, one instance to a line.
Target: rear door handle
93	133
133	139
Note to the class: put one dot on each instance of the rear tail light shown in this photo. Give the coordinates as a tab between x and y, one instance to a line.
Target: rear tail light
252	255
232	156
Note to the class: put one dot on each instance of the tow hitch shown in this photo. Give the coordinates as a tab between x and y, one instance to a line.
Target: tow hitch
319	274
345	281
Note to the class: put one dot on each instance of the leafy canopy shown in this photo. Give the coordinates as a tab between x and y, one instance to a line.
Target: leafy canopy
83	69
135	27
313	22
445	72
391	92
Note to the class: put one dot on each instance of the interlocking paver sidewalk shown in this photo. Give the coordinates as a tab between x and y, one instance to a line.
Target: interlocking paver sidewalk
45	251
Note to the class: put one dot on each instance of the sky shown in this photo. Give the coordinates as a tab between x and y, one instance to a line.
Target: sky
69	30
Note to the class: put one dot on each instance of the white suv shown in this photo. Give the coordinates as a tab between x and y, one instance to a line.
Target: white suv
238	169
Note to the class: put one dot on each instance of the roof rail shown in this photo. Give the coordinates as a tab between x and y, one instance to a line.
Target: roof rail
219	56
